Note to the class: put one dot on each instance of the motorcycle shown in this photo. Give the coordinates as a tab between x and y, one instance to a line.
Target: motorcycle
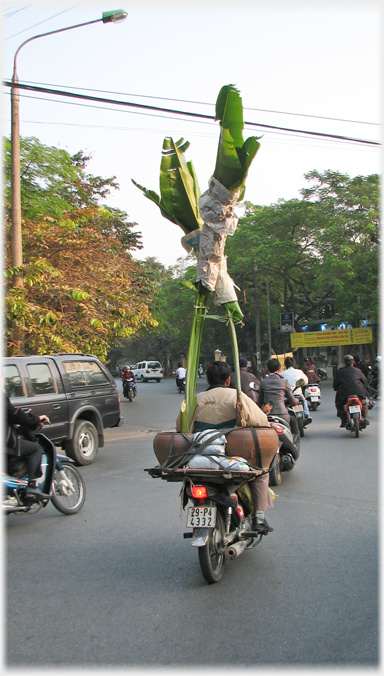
312	393
180	384
61	483
200	371
129	389
322	373
220	521
298	408
354	421
289	448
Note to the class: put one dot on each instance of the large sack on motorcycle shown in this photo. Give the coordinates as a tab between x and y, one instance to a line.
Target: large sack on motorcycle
257	445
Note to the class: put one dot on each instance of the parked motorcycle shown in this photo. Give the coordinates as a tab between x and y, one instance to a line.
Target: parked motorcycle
129	389
353	411
312	393
220	521
61	483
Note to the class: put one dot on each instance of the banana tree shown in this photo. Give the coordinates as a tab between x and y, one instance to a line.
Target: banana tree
205	229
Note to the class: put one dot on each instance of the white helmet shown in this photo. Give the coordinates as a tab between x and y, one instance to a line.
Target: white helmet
378	359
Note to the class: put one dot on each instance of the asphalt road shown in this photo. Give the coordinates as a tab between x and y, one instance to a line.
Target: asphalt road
118	586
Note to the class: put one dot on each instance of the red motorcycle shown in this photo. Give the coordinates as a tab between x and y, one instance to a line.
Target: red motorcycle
354	421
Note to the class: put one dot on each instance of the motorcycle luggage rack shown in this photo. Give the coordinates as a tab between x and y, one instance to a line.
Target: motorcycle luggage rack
214	475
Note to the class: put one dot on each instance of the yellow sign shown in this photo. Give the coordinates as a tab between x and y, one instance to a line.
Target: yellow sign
330	338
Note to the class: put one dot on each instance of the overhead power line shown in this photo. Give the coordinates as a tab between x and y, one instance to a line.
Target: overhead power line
171	111
203	103
40	22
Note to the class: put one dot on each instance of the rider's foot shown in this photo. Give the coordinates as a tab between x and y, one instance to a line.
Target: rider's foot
342	424
307	420
261	525
32	490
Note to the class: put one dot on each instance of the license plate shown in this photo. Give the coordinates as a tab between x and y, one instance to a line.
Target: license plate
354	409
314	398
297	408
201	517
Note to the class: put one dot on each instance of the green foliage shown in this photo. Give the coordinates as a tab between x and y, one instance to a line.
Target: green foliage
82	290
179	188
234	156
55	184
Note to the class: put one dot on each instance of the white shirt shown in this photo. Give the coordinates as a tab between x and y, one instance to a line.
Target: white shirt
180	373
293	375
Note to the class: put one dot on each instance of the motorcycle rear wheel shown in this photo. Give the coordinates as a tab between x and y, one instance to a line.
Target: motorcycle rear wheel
356	427
68	498
275	473
300	422
314	405
211	556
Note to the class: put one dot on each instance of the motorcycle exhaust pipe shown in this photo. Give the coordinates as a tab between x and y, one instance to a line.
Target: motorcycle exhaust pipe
233	551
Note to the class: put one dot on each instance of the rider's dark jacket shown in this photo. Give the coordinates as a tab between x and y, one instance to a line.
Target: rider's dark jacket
347	381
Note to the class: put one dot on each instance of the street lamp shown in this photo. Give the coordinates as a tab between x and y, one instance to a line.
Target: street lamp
16	239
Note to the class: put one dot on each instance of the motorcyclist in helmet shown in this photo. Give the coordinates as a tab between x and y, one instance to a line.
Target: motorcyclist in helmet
346	382
19	447
127	374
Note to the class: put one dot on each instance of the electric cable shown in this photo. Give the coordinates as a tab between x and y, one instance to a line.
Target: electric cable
181	112
202	103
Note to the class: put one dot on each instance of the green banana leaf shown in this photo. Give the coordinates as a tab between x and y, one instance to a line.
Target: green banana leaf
234	156
179	187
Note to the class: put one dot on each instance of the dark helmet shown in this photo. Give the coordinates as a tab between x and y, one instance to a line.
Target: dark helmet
348	360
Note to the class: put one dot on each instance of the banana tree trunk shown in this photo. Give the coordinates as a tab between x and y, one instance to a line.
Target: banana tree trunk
189	404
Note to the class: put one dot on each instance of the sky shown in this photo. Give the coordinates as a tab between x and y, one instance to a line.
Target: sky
308	66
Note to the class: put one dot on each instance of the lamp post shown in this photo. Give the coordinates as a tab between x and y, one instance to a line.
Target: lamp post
16	239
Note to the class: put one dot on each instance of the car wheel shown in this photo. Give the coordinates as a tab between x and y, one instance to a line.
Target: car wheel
84	445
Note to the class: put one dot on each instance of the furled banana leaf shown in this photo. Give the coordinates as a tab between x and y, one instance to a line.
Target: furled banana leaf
234	156
179	187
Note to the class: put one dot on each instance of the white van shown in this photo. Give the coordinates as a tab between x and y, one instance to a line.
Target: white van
148	370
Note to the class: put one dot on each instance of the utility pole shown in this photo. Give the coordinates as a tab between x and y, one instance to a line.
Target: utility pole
269	321
257	314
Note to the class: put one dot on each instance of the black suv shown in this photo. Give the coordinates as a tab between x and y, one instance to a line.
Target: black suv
75	391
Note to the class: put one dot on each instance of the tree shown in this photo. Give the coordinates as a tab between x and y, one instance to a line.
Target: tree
82	289
320	253
54	183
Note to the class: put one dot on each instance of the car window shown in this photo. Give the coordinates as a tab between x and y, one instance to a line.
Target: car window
84	373
153	365
41	379
13	384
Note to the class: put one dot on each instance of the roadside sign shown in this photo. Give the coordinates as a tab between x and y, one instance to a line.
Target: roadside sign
286	322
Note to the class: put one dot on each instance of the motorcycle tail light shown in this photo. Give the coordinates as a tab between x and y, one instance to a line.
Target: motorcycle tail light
279	428
199	492
313	389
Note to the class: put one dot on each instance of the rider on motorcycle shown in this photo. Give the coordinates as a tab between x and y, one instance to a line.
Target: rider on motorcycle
180	373
246	378
216	409
127	374
275	389
292	374
29	450
346	382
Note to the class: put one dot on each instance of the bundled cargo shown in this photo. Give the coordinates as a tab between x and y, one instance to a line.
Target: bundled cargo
257	446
